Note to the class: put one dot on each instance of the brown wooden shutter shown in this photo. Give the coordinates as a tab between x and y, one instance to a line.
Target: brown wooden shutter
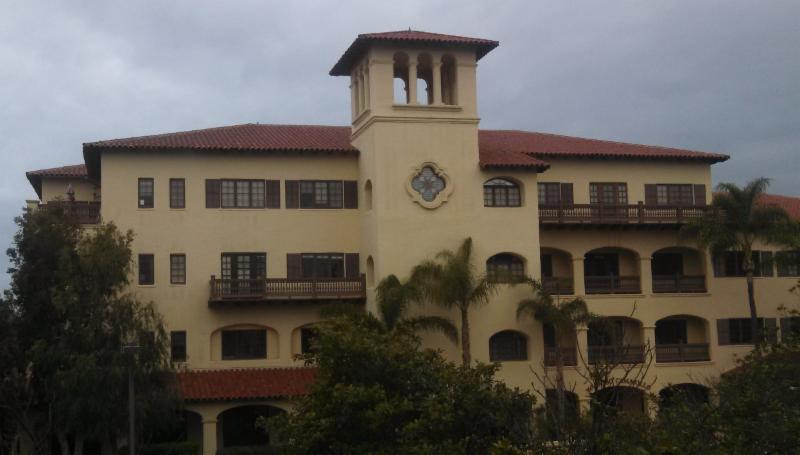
292	194
723	331
650	194
567	197
294	266
350	194
273	196
351	265
699	195
212	193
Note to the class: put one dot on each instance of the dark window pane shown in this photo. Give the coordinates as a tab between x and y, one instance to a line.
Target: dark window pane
178	346
242	193
177	193
323	265
505	267
177	269
244	344
508	345
228	193
146	269
671	331
146	193
308	337
257	193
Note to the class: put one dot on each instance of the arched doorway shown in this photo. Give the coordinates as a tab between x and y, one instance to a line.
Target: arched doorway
689	393
239	426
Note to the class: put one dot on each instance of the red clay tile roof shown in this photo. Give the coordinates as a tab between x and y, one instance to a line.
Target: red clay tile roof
364	40
245	384
545	145
73	171
789	203
498	148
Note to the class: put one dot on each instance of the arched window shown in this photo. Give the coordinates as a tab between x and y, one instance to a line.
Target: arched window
508	345
424	79
370	272
368	195
505	267
400	78
501	193
449	80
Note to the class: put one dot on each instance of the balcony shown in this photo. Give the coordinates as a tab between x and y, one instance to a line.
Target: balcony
629	214
568	355
284	289
558	285
83	211
695	352
616	354
678	284
612	284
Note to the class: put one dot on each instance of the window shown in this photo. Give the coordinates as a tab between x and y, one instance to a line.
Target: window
675	195
501	193
671	331
319	194
547	265
308	336
177	269
731	264
788	263
242	194
146	193
323	265
608	193
606	332
739	330
667	264
244	344
508	345
505	267
244	266
177	193
146	269
554	193
790	327
177	341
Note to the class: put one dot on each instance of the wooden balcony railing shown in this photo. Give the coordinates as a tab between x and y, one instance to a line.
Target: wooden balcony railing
266	289
679	283
568	355
693	352
612	284
85	212
619	214
616	354
558	285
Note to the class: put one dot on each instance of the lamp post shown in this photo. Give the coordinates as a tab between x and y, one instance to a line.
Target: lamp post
131	350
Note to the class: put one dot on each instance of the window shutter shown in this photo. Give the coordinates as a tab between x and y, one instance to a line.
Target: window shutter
766	263
566	194
771	330
351	265
650	194
723	332
699	195
273	196
212	193
294	266
350	194
292	194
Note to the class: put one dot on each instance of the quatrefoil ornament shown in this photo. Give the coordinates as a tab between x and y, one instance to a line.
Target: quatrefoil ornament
429	186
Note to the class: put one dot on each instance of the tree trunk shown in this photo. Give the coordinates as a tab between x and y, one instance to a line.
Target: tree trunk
63	441
78	445
466	357
561	395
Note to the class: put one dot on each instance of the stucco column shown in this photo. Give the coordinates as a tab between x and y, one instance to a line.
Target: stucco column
646	275
577	276
412	82
209	437
437	82
366	87
650	338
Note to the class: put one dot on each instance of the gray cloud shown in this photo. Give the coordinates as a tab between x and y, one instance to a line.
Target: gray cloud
707	75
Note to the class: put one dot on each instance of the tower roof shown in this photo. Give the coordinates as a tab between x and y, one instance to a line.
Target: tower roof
364	40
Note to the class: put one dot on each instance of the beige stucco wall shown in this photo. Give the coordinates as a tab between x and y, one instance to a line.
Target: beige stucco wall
56	188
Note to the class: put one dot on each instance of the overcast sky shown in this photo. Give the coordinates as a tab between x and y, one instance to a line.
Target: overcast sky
721	76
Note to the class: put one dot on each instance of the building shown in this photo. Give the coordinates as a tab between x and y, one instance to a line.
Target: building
243	232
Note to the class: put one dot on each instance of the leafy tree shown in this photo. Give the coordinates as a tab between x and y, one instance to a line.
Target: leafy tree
71	316
563	316
394	298
376	392
740	220
451	281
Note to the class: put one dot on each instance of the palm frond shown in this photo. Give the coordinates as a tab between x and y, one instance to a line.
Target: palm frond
430	324
339	309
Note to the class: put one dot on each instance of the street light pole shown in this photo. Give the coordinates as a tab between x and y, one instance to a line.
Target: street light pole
131	350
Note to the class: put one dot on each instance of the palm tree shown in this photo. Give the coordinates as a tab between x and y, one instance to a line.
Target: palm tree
394	298
563	316
738	221
451	281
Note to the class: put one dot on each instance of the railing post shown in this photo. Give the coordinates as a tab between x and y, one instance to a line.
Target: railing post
640	211
213	286
314	288
679	213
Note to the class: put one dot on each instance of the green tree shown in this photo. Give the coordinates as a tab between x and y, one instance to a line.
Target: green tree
71	316
376	392
394	298
451	281
737	222
563	316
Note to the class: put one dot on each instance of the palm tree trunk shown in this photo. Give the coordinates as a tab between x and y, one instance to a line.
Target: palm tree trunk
466	358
